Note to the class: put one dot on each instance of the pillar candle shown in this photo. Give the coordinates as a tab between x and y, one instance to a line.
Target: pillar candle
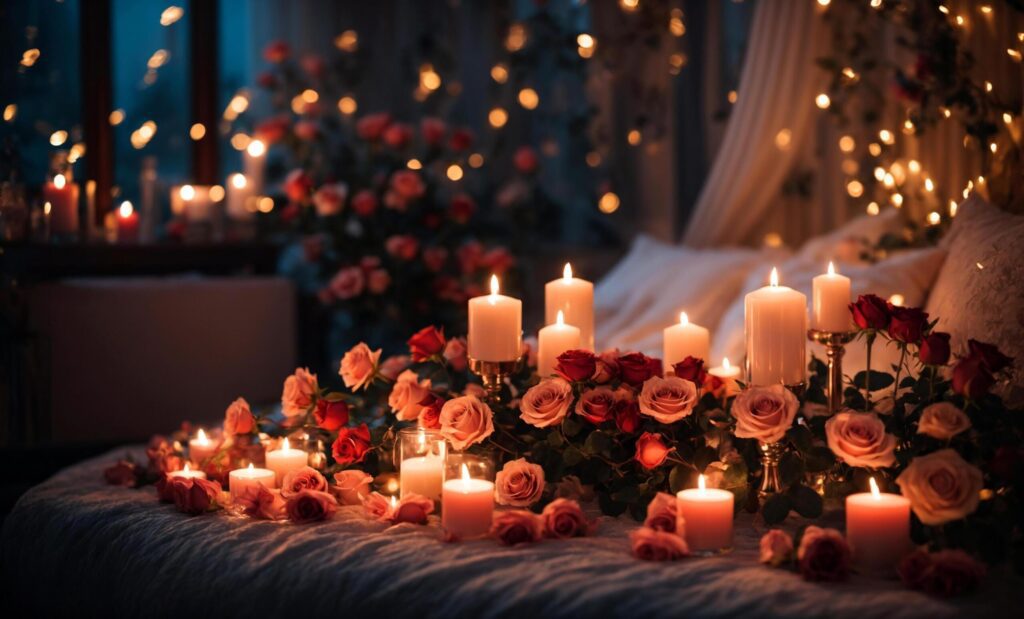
554	340
422	475
684	340
830	302
240	479
63	198
495	326
283	461
707	515
574	297
467	506
878	528
127	223
187	472
201	447
192	201
776	330
239	191
254	161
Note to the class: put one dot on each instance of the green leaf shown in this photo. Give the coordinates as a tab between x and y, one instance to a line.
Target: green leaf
555	439
572	456
801	437
597	443
818	458
791	468
679	478
806	502
877	382
571	427
703	457
776	508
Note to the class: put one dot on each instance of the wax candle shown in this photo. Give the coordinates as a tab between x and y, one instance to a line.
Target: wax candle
240	479
187	472
192	201
495	326
776	330
283	461
467	506
728	374
127	223
684	340
878	528
554	340
830	302
62	195
707	518
239	192
201	447
422	466
574	297
254	161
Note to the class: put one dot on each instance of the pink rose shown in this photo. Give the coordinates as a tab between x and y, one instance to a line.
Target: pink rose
359	366
455	353
397	135
299	390
607	366
310	506
943	421
351	485
563	519
394	365
764	413
466	421
776	547
376	506
651	450
364	203
516	526
519	483
859	439
256	501
432	129
329	199
407	395
162	456
306	478
412	508
668	399
663	514
596	405
402	246
653	545
941	486
371	126
121	474
546	403
348	283
193	495
238	418
823	555
945	574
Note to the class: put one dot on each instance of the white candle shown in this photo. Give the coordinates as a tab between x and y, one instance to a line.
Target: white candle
254	161
467	506
554	340
495	326
707	515
878	528
423	474
239	190
201	448
830	302
684	340
192	201
728	374
574	297
283	461
776	330
240	479
187	472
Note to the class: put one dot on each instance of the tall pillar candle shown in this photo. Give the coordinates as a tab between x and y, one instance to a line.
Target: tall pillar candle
495	326
62	195
554	340
254	161
467	506
684	340
878	528
830	302
776	330
574	297
285	460
707	515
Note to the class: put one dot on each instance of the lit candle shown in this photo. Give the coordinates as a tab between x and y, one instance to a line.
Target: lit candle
495	326
728	374
554	340
776	330
574	297
63	198
684	340
239	190
254	161
240	479
423	474
467	506
192	201
187	472
878	528
830	302
127	223
283	461
201	447
707	515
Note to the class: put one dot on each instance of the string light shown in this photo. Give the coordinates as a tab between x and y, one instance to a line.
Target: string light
850	167
675	23
849	73
960	21
58	137
497	117
528	98
929	186
197	131
608	203
593	159
217	193
1012	53
170	15
946	112
879	173
256	148
414	164
889	181
238	180
886	137
76	152
116	117
855	188
676	62
934	218
347	41
158	59
516	38
476	160
782	139
908	127
347	105
824	2
897	200
822	101
952	208
629	5
29	57
10	112
429	78
985	8
265	204
1007	118
634	137
499	73
875	149
847	144
914	165
872	208
454	172
942	7
988	86
240	141
992	147
732	96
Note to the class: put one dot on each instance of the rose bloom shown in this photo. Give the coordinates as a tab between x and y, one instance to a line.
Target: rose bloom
364	203
192	495
635	368
907	324
943	421
407	184
378	281
407	395
329	199
455	353
823	555
663	514
297	185
546	403
376	506
461	208
371	126
310	506
764	413
971	378
692	369
563	519
426	343
519	483
397	135
651	450
596	405
402	246
272	130
276	52
525	160
776	547
432	130
299	390
668	399
306	130
238	418
256	501
627	416
351	445
934	349
412	508
947	573
516	526
870	312
348	283
351	485
576	365
461	140
359	366
434	258
466	421
941	487
394	365
652	545
121	474
430	412
859	439
606	366
989	355
306	478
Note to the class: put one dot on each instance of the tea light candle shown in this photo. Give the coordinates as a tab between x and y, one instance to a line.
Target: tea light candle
283	461
554	340
62	195
728	374
776	330
187	472
201	448
684	340
467	506
495	326
127	223
239	189
240	479
830	302
574	297
424	474
707	515
878	528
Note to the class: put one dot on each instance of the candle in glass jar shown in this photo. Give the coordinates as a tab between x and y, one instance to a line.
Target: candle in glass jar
776	330
684	340
285	460
62	195
467	506
707	515
554	340
127	223
495	326
187	472
423	474
201	448
830	302
240	479
878	528
574	297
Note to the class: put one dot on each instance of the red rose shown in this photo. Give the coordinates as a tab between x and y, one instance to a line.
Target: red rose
407	184
313	65
692	369
121	474
310	506
351	445
273	130
576	365
525	160
627	416
934	349
651	451
427	342
331	415
462	208
635	368
430	414
563	519
434	258
433	130
364	203
907	324
276	52
596	405
297	185
372	126
402	246
989	355
461	140
971	378
192	495
397	135
823	555
914	568
870	312
266	80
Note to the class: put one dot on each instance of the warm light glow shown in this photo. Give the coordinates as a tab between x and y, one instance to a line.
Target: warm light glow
874	489
952	208
875	149
1012	53
240	141
59	181
876	4
476	160
886	136
47	207
560	318
494	285
187	192
988	86
465	472
585	40
608	203
934	218
992	147
256	148
822	101
676	25
347	105
683	318
454	172
1007	118
725	363
824	2
528	98
516	38
239	103
429	78
58	137
285	445
414	164
567	272
897	299
634	137
217	193
394	501
251	467
732	96
774	278
238	180
929	185
855	188
497	117
897	200
158	59
421	438
782	139
831	268
701	482
171	14
347	41
201	435
197	131
10	112
872	208
772	239
847	144
29	57
265	204
125	211
879	173
499	73
629	5
985	8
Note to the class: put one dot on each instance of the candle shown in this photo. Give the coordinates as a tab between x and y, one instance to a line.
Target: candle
878	528
254	161
283	461
495	326
127	223
728	374
684	340
240	479
467	506
422	466
830	302
707	515
574	297
187	472
201	448
776	327
554	340
63	198
239	192
192	201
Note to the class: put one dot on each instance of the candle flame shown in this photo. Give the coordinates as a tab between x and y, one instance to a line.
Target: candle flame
560	318
567	272
494	285
201	437
256	148
238	181
774	279
831	268
422	439
47	207
285	445
683	318
874	489
126	209
186	469
59	181
465	472
187	192
251	467
394	501
700	482
725	363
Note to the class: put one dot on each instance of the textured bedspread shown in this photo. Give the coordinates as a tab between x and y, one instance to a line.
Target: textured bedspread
74	546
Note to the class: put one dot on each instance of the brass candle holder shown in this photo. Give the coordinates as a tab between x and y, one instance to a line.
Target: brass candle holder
835	347
771	482
493	375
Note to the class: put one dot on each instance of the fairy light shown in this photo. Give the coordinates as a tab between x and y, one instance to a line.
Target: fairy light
528	98
822	101
986	9
879	173
476	160
783	138
1012	53
946	112
676	62
992	147
676	26
593	159
875	149
58	137
187	192
886	137
1007	118
634	137
171	14
497	117
944	9
76	152
929	186
850	167
876	4
240	141
960	21
148	129
414	164
454	172
265	204
158	59
914	166
952	208
847	144
429	78
116	117
897	200
732	96
59	181
499	73
608	203
855	188
516	38
197	131
772	240
849	73
256	148
872	208
238	180
889	180
347	41
217	193
347	105
934	218
10	111
988	86
29	57
585	40
240	102
629	5
908	126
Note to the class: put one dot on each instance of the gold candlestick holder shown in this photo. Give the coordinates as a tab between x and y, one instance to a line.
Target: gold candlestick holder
771	482
835	347
493	375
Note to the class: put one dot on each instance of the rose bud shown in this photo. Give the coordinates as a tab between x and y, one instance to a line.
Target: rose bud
576	365
331	415
651	450
907	324
934	349
426	343
971	379
989	355
870	312
692	369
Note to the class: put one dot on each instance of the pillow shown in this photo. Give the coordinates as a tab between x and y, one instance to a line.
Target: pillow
845	243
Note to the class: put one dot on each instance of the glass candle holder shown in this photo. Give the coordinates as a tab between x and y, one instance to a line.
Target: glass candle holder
421	460
467	498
